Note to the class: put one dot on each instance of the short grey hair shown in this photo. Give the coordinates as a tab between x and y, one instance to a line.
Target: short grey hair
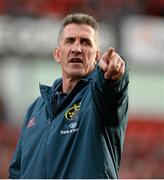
80	19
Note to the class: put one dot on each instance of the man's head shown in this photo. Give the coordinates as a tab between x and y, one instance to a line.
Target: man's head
80	19
78	49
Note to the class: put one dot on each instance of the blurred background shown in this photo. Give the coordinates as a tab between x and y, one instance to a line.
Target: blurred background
135	28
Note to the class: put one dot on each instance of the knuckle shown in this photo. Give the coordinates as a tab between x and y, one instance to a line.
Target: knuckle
114	55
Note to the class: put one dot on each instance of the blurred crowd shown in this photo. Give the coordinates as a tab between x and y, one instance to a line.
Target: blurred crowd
101	9
8	139
143	156
3	110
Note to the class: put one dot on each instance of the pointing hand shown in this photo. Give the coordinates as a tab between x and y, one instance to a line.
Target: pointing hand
112	64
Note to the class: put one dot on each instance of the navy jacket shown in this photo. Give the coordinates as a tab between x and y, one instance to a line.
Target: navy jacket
76	135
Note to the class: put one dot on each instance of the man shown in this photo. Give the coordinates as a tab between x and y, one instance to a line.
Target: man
76	128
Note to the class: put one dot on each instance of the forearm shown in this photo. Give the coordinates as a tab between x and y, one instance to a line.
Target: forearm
111	96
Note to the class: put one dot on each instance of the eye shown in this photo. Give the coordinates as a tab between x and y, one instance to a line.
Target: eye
69	40
85	41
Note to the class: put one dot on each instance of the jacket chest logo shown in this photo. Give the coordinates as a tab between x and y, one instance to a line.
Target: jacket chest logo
72	112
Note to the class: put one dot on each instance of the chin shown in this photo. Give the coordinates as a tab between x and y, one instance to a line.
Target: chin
77	73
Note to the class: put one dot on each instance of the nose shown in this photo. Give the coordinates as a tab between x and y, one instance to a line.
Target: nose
76	48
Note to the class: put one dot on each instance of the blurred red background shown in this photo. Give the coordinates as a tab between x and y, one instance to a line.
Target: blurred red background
143	155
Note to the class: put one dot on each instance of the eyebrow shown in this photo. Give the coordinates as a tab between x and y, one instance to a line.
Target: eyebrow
81	39
69	38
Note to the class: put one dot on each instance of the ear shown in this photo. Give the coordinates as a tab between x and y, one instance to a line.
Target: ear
56	55
97	56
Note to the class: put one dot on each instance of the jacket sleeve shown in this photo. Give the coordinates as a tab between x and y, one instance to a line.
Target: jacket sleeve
15	164
111	97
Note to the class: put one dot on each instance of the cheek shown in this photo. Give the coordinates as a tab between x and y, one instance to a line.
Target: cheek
91	57
63	54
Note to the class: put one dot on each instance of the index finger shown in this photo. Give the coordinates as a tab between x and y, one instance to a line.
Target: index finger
110	52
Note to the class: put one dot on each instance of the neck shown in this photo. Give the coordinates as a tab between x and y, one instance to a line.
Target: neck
68	84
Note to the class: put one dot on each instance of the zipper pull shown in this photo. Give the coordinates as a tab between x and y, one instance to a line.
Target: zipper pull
49	121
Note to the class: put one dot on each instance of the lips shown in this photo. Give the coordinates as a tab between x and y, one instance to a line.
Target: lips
75	60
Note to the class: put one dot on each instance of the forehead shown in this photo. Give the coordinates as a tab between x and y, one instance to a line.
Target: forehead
76	30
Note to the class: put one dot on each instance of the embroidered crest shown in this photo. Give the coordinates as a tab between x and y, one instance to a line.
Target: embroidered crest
72	112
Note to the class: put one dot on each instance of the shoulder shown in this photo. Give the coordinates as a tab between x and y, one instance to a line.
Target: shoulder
36	105
33	108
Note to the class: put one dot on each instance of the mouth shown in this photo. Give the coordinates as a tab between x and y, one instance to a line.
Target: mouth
75	60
